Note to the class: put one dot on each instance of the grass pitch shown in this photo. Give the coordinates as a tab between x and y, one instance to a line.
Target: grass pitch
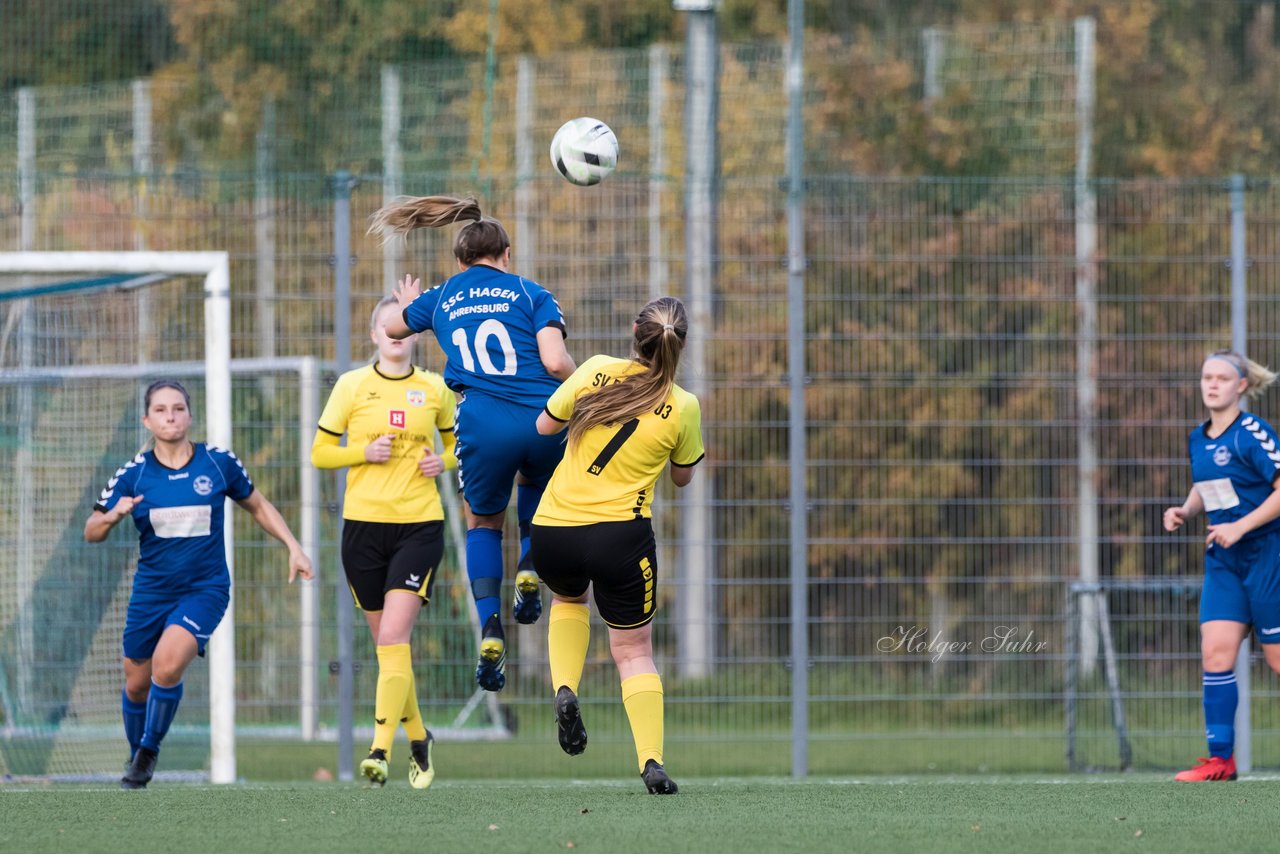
1118	813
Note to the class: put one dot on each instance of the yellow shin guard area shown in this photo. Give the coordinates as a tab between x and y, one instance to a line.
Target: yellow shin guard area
395	679
568	636
642	697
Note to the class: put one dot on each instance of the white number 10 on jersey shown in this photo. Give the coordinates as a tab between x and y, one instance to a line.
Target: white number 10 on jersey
489	329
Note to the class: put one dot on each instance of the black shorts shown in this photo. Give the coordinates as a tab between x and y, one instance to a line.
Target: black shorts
379	557
618	560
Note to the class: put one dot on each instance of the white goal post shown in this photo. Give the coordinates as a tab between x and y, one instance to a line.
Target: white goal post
216	270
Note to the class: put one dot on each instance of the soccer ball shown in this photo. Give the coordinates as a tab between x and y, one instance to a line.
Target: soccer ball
584	151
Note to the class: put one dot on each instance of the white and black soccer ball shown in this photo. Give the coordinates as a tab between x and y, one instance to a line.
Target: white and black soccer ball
584	151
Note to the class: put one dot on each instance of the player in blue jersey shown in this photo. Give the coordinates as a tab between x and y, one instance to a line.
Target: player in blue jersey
503	337
1235	468
175	494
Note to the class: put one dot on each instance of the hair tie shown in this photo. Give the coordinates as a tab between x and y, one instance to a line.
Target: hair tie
668	327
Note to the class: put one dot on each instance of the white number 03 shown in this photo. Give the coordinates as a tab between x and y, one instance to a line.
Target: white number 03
489	329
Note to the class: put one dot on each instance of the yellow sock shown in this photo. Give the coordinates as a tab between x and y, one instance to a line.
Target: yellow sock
412	715
395	676
642	697
568	635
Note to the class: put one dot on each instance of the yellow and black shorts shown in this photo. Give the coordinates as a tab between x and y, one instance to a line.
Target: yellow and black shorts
379	557
618	560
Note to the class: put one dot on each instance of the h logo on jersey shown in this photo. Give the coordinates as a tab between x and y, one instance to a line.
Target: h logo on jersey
397	418
1222	456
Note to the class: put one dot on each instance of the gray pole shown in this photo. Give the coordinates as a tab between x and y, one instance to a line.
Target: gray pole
1239	343
342	184
935	44
264	233
658	271
696	607
526	72
796	380
22	463
142	168
1086	341
392	166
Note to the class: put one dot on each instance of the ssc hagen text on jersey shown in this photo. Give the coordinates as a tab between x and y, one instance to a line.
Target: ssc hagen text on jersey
366	405
487	322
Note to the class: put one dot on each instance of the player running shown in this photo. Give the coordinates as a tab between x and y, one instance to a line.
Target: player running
175	493
1235	465
627	418
393	528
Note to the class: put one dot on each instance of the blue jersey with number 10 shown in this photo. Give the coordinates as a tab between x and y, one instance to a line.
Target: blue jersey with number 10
487	322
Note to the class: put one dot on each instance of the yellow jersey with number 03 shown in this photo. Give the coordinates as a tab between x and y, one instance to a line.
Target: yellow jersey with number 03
609	475
365	405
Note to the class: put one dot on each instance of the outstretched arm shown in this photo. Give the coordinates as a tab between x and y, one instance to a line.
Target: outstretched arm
270	520
405	292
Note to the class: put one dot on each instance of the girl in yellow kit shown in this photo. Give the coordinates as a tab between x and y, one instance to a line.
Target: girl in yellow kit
393	521
627	419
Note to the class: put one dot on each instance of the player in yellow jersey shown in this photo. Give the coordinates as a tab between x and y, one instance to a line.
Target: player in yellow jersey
393	528
627	419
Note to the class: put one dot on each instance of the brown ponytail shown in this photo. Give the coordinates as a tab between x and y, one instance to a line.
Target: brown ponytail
660	332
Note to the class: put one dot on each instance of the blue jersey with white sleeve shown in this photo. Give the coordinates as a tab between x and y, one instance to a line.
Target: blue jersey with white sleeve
180	517
487	322
1235	472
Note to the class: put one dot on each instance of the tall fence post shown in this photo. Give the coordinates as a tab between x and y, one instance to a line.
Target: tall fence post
392	165
696	607
1086	207
22	463
342	185
264	231
309	533
659	63
526	70
797	378
1240	343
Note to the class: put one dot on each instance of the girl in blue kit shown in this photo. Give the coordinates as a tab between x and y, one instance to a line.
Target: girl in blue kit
175	495
503	337
1235	466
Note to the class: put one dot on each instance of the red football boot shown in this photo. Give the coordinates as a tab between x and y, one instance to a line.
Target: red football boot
1215	768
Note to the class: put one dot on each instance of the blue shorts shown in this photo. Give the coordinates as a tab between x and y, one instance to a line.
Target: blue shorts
496	440
1242	584
197	611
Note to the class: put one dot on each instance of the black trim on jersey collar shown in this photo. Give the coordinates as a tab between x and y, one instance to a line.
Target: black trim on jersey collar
1204	428
553	418
152	452
700	458
412	371
324	429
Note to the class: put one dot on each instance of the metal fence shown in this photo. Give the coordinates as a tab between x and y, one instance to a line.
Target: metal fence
943	336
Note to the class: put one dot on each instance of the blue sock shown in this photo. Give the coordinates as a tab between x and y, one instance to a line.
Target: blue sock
135	721
527	498
162	705
484	568
1221	695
